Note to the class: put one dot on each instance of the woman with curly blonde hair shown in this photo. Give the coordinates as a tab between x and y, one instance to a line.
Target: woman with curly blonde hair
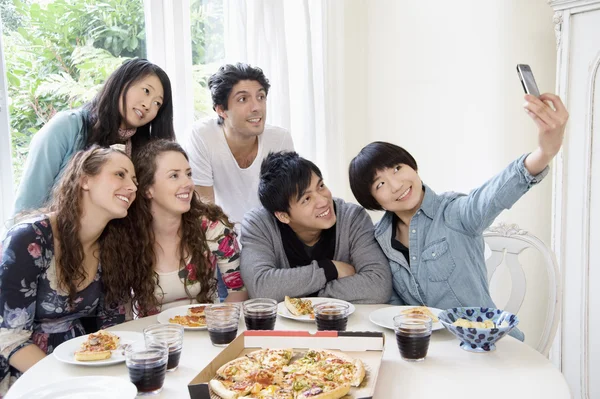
181	241
60	266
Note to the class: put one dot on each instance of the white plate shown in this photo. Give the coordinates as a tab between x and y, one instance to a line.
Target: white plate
384	317
91	387
65	352
284	312
165	315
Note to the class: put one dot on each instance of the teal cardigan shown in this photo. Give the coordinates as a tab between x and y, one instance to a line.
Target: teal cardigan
49	153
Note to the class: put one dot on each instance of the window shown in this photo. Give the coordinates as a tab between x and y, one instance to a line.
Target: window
208	50
58	53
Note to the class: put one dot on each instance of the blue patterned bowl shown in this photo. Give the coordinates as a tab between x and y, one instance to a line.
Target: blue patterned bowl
479	339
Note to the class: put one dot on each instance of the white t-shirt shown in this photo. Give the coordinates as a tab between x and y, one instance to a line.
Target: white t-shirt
213	164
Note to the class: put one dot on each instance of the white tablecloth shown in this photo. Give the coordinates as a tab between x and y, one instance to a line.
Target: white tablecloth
514	370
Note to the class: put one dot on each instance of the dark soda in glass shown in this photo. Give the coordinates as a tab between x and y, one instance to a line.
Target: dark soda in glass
260	321
331	320
147	377
222	337
412	346
173	360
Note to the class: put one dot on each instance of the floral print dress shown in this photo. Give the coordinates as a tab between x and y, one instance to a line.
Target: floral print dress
33	309
224	256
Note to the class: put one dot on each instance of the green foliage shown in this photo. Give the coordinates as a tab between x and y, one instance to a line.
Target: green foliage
206	17
59	52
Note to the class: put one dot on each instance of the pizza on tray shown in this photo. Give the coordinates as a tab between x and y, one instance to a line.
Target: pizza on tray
299	307
97	346
271	374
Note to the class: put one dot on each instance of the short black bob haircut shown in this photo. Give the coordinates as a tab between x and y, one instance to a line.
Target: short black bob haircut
373	158
284	177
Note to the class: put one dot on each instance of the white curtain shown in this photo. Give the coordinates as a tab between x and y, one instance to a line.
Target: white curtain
293	42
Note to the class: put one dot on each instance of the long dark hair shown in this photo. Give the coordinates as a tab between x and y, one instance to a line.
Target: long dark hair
193	240
104	117
67	205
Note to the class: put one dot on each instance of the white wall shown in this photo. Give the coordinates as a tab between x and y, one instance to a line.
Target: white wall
439	79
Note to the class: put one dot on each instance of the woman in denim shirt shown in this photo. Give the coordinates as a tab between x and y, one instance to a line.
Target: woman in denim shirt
434	242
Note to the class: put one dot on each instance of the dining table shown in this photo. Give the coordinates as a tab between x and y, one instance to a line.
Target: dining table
513	370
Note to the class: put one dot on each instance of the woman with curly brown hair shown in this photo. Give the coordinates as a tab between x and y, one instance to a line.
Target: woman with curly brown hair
181	240
58	267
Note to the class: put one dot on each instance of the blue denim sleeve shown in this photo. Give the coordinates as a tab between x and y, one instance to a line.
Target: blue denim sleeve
473	213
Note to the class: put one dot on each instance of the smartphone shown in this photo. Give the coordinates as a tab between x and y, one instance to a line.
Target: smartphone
527	80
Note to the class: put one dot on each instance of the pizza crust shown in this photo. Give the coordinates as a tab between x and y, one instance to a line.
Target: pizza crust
359	367
291	307
88	356
223	391
336	393
245	364
359	374
424	310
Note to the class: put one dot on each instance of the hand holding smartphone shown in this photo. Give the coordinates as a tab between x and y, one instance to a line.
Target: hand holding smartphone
527	80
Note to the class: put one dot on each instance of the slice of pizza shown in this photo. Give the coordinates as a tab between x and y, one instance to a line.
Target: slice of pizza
341	368
196	310
97	346
299	307
228	389
189	321
272	392
424	310
334	366
238	369
272	358
310	357
313	387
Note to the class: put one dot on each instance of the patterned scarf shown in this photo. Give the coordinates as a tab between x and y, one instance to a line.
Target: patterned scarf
126	134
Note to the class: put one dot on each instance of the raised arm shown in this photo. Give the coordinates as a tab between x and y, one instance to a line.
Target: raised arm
260	260
372	282
550	115
475	212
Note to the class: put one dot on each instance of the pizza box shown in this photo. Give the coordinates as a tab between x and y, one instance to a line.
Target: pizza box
366	346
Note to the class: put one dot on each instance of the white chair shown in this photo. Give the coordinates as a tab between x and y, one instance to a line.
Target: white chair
506	243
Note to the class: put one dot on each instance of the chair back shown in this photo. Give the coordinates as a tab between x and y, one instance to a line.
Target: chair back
507	241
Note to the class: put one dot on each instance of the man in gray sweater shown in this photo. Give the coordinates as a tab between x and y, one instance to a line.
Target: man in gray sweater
303	242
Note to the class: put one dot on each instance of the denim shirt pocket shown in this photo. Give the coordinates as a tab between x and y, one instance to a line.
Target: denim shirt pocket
438	261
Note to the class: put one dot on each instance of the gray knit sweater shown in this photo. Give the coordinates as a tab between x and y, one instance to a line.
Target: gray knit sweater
267	274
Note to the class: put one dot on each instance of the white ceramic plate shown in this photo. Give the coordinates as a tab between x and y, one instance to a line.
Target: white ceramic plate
384	317
91	387
165	315
284	312
65	352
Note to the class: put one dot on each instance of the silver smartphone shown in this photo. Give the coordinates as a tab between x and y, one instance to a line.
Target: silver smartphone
527	80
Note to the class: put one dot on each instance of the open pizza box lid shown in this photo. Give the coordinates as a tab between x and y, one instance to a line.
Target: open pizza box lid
366	346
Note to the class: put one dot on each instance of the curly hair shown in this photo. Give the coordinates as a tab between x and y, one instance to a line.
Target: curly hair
67	205
192	246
